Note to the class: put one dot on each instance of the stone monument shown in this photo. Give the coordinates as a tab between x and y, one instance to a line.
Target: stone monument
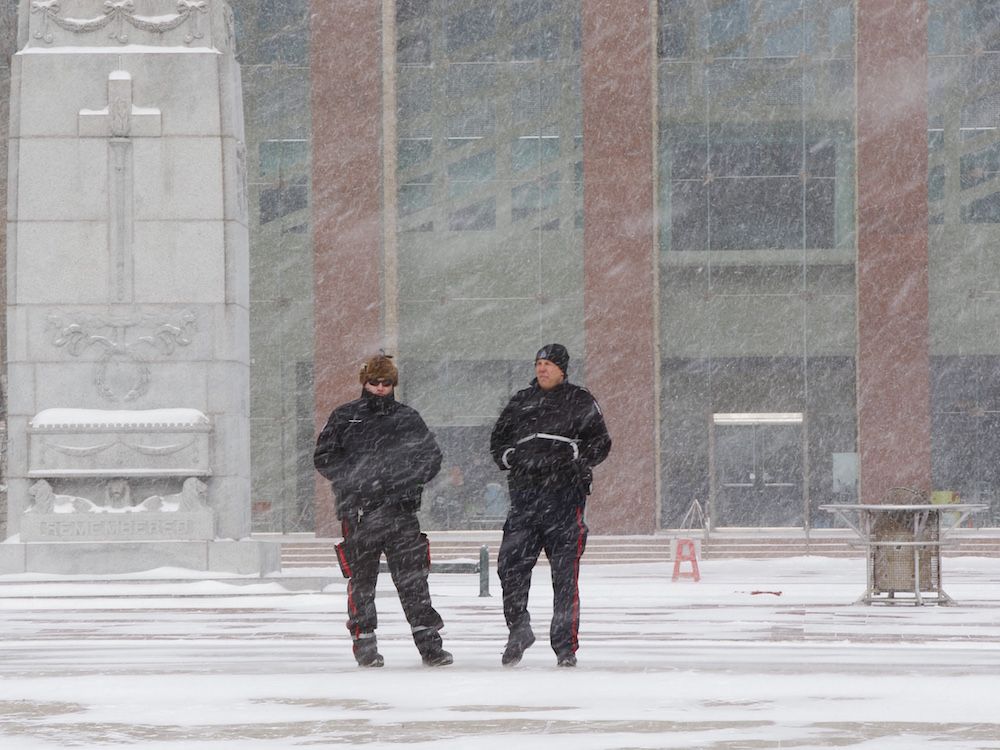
128	292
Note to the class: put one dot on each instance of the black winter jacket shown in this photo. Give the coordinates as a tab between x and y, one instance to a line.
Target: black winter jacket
376	451
550	438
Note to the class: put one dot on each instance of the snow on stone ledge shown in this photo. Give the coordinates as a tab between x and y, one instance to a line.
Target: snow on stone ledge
135	49
62	418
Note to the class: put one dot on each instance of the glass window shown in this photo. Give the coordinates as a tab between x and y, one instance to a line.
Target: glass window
489	243
410	10
414	49
756	213
536	199
281	32
964	208
477	216
414	198
413	153
673	39
464	174
273	51
531	152
782	27
726	28
757	265
471	33
535	31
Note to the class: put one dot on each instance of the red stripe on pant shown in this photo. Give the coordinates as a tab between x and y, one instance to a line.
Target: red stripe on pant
575	640
351	606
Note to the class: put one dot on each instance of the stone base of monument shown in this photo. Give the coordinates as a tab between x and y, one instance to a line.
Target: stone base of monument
198	525
243	557
125	491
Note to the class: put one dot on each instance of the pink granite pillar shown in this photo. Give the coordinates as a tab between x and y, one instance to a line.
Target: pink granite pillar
619	108
893	365
346	66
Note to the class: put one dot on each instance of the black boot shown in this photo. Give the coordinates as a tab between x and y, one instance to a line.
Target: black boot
366	651
437	658
567	659
428	642
519	640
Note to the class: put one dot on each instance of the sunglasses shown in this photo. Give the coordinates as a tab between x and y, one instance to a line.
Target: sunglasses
381	381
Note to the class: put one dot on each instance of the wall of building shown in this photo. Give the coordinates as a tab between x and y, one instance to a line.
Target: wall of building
964	216
757	246
463	189
273	51
488	210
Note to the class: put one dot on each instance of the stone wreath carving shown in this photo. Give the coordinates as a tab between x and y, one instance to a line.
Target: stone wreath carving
122	12
111	336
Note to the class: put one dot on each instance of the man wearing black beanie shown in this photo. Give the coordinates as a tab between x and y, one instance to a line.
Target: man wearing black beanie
548	438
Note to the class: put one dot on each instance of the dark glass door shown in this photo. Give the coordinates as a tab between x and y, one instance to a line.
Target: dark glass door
758	475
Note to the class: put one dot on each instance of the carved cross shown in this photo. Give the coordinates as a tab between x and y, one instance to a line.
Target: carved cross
120	121
121	118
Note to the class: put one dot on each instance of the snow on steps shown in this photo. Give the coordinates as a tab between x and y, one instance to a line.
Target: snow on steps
600	550
762	544
310	564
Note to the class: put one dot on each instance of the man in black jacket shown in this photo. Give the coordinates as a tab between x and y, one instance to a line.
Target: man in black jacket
378	454
548	437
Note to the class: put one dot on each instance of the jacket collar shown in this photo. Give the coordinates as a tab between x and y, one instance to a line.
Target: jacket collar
380	404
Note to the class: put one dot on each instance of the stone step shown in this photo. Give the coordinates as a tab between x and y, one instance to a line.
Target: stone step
607	549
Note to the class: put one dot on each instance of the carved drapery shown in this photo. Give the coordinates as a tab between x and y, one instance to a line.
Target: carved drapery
120	13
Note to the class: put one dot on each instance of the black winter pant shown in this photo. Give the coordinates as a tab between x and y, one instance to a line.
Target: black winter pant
396	532
550	520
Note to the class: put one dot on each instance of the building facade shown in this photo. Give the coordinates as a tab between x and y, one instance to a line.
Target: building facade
765	229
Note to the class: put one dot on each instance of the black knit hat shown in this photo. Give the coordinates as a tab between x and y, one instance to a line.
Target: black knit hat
556	354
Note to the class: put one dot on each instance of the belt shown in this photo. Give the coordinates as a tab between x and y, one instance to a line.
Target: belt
557	438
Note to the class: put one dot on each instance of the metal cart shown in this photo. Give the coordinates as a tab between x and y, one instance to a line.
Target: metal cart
903	545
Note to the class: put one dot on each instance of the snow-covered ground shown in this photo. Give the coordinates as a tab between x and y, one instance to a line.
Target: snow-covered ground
758	654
